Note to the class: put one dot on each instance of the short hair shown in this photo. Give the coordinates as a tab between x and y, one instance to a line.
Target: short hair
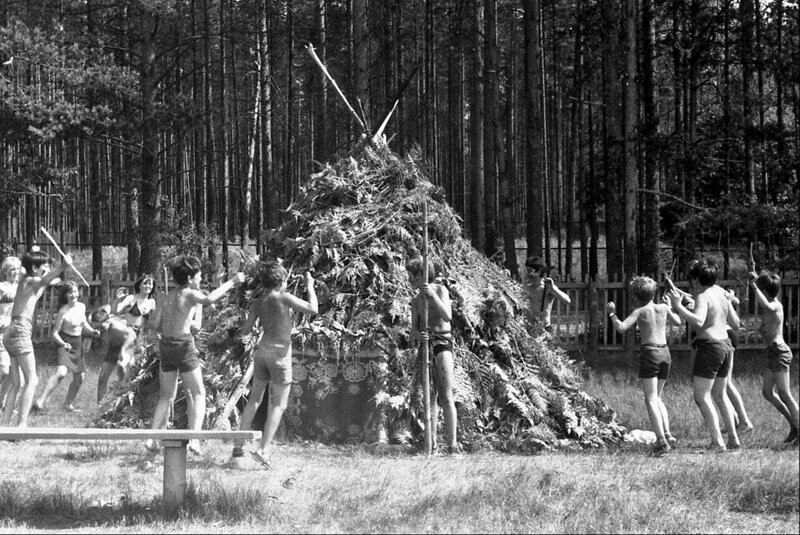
9	263
769	283
137	286
705	271
536	263
271	274
416	266
644	288
184	268
65	290
34	259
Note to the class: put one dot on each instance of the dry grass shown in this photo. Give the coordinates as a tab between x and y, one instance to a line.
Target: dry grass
102	487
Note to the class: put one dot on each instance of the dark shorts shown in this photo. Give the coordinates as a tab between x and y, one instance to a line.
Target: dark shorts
779	357
713	358
178	354
272	361
73	359
733	336
441	343
654	361
18	337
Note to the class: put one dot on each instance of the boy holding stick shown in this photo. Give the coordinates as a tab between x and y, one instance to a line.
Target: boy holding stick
712	314
437	299
17	340
767	287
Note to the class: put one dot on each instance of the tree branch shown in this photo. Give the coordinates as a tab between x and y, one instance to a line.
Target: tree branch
673	197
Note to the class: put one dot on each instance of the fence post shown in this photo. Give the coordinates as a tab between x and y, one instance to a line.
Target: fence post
592	303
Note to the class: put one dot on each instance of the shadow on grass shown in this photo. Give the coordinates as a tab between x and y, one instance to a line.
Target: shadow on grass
56	507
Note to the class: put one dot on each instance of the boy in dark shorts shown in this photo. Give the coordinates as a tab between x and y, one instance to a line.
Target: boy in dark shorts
175	320
713	314
767	287
272	357
439	335
654	359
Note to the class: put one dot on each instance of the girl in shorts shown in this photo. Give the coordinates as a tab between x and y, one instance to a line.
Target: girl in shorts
68	329
9	278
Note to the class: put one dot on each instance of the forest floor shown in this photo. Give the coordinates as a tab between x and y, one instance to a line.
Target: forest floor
116	487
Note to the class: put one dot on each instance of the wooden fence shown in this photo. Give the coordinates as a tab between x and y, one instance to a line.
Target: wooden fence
582	325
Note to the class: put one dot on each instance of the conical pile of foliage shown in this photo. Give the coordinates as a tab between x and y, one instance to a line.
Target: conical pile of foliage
355	226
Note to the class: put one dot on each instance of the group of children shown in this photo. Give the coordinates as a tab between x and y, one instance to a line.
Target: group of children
708	309
710	312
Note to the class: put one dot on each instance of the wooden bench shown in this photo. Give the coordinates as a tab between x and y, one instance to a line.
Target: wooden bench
174	442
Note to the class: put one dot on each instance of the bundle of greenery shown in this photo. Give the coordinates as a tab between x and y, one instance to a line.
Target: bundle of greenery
354	226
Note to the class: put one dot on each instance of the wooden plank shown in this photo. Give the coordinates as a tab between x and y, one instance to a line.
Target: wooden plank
66	433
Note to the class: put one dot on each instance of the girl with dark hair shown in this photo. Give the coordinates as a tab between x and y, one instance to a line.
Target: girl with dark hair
123	335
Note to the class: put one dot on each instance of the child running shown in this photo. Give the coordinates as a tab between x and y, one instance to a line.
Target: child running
17	340
439	334
767	287
68	329
543	292
712	315
9	279
123	336
654	360
272	358
175	319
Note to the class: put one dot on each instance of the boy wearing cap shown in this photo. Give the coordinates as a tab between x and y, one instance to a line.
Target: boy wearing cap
543	292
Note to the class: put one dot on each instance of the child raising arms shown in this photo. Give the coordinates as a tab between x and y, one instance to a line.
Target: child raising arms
272	358
175	320
18	341
654	360
767	287
68	329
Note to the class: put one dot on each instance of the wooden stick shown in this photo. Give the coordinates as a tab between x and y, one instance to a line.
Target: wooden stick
63	256
426	380
313	54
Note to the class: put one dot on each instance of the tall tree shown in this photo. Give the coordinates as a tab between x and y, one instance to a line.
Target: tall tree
629	132
477	217
533	128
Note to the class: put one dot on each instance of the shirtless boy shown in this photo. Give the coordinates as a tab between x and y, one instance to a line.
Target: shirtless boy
439	334
654	359
712	315
175	320
767	287
18	342
272	358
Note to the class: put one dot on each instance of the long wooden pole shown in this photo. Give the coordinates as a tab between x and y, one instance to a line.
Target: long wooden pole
426	380
49	237
313	54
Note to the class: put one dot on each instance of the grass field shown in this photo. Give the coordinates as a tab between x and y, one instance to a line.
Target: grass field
116	487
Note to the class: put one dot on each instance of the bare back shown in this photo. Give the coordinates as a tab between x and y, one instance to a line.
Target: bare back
651	319
273	312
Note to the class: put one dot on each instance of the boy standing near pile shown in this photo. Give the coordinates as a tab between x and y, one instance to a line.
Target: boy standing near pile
175	320
439	334
767	287
655	359
272	358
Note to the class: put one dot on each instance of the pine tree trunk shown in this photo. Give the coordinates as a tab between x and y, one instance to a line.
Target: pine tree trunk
533	129
629	153
492	142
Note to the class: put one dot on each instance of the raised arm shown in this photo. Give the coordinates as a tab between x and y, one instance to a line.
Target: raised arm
696	318
307	307
621	326
54	273
202	299
550	284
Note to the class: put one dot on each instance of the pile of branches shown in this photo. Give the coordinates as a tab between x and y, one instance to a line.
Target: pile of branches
355	225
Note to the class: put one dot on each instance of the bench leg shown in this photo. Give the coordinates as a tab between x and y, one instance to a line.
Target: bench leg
174	473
